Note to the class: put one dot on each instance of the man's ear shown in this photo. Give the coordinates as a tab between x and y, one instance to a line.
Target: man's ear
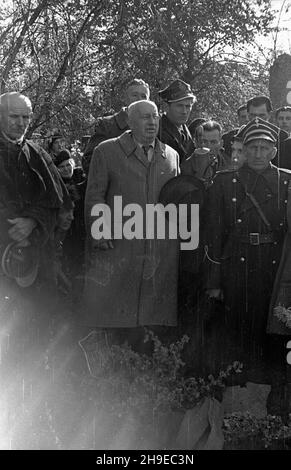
273	154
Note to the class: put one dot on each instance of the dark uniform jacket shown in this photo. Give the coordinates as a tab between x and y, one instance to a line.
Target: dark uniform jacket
243	250
180	141
105	128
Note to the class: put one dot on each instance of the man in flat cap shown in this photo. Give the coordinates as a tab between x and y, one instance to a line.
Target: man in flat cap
246	222
113	126
173	131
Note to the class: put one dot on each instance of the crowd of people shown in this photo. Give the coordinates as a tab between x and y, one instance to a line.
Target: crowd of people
223	293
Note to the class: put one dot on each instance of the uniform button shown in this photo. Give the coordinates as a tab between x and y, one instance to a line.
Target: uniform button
242	259
234	180
285	182
239	221
234	199
285	201
281	224
274	261
275	243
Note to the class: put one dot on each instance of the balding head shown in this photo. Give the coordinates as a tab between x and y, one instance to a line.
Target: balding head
143	120
15	114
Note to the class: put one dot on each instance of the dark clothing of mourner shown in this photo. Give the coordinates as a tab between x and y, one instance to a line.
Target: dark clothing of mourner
30	186
74	242
179	140
285	158
244	244
227	140
105	128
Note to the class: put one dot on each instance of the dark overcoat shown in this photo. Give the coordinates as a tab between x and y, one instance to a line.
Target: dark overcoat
179	140
105	128
30	186
135	283
243	254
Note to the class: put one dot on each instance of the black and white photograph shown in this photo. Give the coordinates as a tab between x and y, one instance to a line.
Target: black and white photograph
145	228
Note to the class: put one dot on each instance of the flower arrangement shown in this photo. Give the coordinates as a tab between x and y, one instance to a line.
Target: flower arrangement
246	431
283	314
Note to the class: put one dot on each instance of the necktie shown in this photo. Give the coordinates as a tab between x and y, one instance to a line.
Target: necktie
183	136
146	150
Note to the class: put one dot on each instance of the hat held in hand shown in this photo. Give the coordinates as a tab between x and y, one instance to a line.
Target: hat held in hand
20	263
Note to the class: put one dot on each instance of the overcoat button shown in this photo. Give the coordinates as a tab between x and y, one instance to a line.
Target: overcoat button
242	259
234	199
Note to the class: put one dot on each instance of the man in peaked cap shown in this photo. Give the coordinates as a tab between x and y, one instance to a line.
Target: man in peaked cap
246	222
179	99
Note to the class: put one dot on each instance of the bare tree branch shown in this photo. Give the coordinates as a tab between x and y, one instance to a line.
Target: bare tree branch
12	56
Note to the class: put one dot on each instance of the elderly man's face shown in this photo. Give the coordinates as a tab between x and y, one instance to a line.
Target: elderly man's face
259	153
145	123
137	93
15	117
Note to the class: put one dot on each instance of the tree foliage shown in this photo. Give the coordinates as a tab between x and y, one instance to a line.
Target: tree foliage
73	58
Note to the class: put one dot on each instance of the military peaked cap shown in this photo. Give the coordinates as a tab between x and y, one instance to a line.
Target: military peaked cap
176	91
259	129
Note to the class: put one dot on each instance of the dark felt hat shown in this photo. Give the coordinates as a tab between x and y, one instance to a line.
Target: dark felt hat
176	91
183	189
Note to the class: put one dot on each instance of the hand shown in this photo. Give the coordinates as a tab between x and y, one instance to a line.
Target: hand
104	245
215	294
21	228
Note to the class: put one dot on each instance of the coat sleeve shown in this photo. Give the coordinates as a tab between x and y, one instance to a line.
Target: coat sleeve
98	182
52	194
101	133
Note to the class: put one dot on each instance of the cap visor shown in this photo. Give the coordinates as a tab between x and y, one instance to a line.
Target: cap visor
258	137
